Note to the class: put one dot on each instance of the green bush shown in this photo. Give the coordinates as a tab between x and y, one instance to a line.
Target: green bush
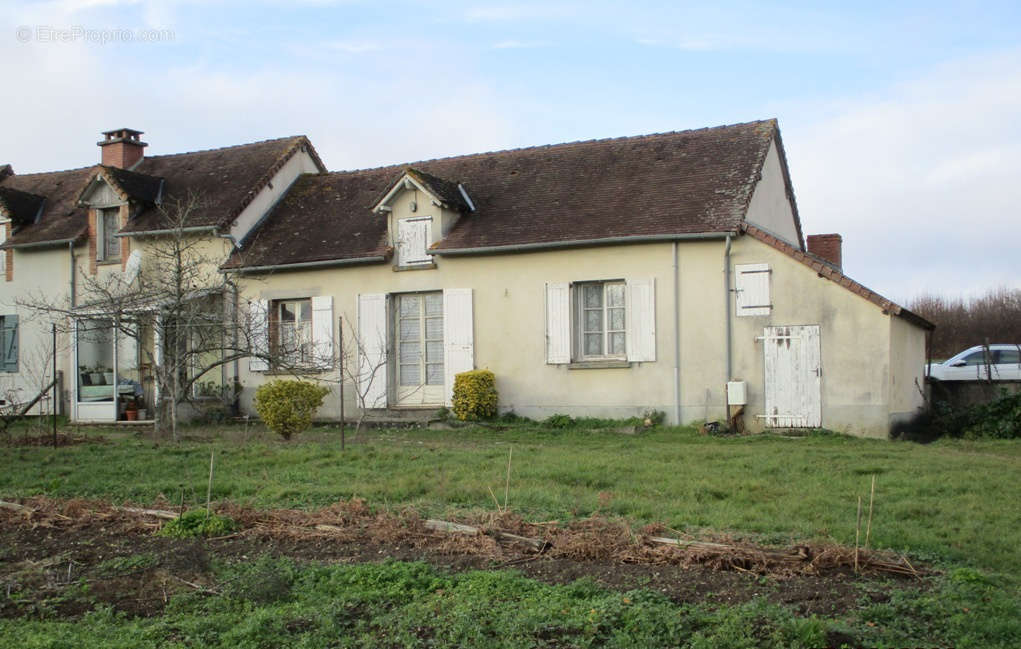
197	522
287	406
475	395
558	421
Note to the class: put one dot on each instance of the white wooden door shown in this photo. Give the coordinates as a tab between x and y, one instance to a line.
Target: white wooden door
793	379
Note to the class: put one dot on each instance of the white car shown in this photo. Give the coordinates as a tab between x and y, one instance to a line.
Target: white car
970	365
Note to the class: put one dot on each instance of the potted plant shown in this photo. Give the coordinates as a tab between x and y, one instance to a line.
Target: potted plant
131	410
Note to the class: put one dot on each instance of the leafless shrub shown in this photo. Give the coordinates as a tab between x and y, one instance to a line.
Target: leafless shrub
962	323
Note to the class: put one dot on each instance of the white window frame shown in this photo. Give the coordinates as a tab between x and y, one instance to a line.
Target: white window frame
579	320
102	253
303	354
406	250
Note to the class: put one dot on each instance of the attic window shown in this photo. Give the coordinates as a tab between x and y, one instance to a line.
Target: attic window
413	236
107	246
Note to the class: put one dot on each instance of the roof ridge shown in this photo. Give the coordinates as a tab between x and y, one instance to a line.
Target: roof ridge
224	148
558	145
50	173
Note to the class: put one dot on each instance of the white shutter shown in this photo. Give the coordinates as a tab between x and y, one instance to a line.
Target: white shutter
372	348
752	286
413	240
641	319
558	323
322	331
458	336
259	330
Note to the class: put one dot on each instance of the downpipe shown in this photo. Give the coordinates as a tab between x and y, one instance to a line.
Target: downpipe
677	339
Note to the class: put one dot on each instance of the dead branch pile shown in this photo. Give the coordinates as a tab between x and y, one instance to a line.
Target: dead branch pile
501	535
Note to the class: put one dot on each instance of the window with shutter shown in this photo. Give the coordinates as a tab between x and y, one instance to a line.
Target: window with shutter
601	321
752	289
413	237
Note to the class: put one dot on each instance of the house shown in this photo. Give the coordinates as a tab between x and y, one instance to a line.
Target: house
65	232
606	278
609	278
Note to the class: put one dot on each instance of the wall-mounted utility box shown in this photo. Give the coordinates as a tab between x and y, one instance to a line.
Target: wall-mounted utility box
737	393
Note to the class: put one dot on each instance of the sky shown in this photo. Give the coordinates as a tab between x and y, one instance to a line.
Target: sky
901	121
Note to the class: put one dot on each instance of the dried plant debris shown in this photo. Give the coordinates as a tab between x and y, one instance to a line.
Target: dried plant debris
502	536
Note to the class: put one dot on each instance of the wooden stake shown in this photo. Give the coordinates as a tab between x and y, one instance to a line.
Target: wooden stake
209	487
495	501
868	525
506	487
857	536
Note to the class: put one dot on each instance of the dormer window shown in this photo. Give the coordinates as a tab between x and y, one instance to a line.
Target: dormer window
108	248
413	237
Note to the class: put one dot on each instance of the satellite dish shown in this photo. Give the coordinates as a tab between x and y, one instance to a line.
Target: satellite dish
133	266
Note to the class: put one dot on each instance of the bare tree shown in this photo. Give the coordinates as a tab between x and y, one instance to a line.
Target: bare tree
181	311
363	364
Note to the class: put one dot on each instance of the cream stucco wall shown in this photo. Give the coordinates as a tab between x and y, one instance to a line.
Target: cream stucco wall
907	370
770	206
40	274
863	353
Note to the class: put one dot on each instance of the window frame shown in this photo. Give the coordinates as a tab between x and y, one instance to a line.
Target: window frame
103	253
579	321
305	350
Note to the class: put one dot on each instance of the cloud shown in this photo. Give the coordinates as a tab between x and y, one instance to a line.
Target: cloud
921	180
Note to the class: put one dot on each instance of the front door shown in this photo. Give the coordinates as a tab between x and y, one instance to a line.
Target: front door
793	377
419	371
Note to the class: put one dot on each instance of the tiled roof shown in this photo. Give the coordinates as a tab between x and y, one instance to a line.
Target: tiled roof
314	222
139	187
21	207
445	190
831	272
685	182
61	219
225	181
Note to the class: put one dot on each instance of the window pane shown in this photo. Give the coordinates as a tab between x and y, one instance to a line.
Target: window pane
978	358
410	305
306	309
434	304
410	375
434	328
616	319
111	247
617	344
614	295
434	374
593	320
434	352
593	296
1008	356
287	312
410	352
593	344
410	330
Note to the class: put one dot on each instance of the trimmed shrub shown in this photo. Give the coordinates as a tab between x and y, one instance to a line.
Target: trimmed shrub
287	406
195	523
475	395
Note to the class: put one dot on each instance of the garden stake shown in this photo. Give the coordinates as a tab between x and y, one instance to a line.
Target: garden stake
868	525
857	534
506	487
208	489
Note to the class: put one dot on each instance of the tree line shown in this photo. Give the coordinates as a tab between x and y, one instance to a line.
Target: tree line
961	322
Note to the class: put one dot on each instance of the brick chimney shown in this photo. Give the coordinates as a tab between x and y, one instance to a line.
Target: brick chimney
122	148
827	246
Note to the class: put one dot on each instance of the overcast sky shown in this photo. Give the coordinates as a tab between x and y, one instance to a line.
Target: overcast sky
902	124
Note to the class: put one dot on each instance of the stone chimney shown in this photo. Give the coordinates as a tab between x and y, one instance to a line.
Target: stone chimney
828	247
122	148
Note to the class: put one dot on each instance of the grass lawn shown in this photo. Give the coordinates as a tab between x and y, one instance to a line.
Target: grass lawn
956	503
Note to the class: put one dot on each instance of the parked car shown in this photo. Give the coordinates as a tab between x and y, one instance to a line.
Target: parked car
970	365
